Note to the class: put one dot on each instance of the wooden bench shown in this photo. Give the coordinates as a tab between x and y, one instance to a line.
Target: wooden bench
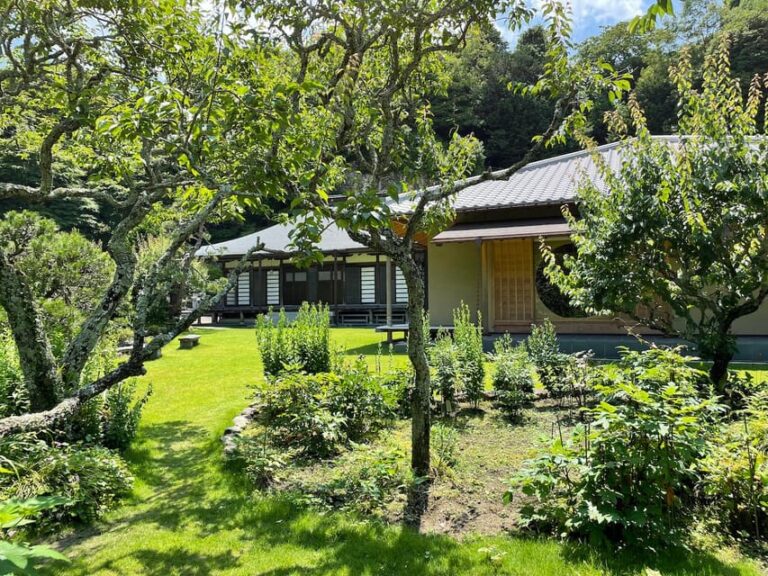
126	349
390	331
354	318
189	341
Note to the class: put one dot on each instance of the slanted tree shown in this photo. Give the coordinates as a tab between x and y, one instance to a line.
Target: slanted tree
138	106
367	67
677	237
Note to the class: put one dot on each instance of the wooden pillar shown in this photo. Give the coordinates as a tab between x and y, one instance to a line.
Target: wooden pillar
262	282
344	279
389	284
280	283
335	288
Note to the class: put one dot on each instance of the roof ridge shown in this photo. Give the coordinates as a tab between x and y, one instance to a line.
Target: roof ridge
579	153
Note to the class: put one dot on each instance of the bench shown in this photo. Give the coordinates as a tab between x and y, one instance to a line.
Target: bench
189	341
354	318
390	330
126	349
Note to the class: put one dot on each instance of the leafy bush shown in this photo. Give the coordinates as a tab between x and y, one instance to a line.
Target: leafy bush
110	419
469	345
551	365
444	440
292	407
735	482
13	393
120	415
361	399
19	557
399	385
92	479
374	478
512	379
629	474
261	461
304	343
542	344
318	413
443	358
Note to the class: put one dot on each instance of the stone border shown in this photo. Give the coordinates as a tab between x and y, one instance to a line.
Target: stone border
239	424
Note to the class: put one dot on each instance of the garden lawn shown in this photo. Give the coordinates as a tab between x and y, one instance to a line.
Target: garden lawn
191	516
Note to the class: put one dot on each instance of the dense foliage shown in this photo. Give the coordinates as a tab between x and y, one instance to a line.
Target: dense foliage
320	413
679	242
551	364
20	557
468	338
630	472
120	415
512	377
92	479
303	344
445	363
735	482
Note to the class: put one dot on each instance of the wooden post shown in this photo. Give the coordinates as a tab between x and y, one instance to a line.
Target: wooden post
390	283
262	283
335	289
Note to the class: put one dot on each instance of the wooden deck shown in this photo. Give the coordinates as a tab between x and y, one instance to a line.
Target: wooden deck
391	329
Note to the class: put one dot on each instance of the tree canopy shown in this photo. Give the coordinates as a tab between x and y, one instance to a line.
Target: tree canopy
677	238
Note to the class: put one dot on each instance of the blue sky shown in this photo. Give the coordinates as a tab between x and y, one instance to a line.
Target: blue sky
589	16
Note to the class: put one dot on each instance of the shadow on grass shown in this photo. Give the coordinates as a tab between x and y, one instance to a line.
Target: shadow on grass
192	494
674	561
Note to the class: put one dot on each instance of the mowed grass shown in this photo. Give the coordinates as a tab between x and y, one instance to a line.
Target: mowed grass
189	515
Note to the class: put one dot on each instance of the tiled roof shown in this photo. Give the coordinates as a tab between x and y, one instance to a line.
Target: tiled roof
276	240
553	181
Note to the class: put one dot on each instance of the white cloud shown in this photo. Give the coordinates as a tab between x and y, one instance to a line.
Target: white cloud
588	16
605	11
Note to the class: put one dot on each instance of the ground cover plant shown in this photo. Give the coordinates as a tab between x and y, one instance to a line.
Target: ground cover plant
301	344
629	473
190	515
512	377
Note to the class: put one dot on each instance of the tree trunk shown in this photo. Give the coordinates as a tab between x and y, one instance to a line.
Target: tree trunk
35	355
718	373
417	353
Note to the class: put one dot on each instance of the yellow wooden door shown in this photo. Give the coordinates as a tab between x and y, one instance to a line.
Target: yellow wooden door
513	296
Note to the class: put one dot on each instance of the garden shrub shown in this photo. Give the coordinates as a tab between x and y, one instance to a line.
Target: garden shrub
373	479
92	479
735	482
311	335
542	344
318	413
443	358
303	343
551	364
468	338
261	461
361	399
292	407
512	378
18	557
120	415
13	393
629	473
443	439
110	419
399	384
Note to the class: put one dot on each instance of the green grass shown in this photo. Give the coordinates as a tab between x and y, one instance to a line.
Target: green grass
190	516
